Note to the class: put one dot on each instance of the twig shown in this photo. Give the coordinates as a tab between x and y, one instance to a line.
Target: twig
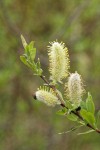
63	104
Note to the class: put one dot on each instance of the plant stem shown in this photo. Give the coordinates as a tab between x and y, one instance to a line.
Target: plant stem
63	104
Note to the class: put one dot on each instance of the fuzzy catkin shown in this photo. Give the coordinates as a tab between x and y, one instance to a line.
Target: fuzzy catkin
74	88
47	96
59	61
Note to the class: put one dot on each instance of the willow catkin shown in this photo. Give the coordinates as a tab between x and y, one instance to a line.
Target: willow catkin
59	61
74	88
47	96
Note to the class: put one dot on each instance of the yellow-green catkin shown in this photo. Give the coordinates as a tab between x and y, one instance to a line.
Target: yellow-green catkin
59	61
47	96
74	88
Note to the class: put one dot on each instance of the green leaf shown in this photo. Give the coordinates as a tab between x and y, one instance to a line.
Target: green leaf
81	122
62	111
90	104
28	57
32	50
23	41
89	117
86	132
24	60
27	51
72	129
69	105
31	45
83	105
72	117
29	48
38	64
39	70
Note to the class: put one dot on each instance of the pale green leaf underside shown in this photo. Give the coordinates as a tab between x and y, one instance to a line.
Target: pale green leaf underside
86	132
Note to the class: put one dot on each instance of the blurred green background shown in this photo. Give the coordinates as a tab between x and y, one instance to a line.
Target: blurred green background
26	124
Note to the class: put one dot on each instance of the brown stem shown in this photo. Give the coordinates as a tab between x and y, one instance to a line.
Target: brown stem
78	115
63	104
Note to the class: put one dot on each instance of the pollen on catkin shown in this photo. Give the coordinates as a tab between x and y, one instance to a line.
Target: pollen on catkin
47	96
74	88
59	61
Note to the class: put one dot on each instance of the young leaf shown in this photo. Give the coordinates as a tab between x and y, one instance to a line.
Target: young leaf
72	117
69	105
24	60
86	132
62	111
23	41
28	57
72	129
89	117
83	105
90	104
32	51
27	51
38	65
81	122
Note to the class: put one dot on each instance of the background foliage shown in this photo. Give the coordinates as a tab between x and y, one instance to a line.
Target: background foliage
28	124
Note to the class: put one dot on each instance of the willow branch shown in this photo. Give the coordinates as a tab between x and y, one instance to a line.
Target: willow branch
63	104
